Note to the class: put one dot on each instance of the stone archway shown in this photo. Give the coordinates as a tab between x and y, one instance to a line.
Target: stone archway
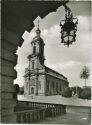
15	19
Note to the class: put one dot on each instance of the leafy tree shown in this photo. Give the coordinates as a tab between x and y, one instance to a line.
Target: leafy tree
77	90
17	89
85	74
73	89
86	93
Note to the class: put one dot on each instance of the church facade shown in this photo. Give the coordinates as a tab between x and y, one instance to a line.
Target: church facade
39	79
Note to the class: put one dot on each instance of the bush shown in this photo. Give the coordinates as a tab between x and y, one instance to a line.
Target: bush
67	92
17	89
79	91
86	93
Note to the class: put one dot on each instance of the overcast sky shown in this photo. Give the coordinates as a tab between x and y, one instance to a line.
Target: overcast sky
67	61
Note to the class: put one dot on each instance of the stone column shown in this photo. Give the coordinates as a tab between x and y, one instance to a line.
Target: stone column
8	61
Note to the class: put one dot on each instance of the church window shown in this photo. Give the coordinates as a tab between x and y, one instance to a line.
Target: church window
34	49
39	85
47	86
32	90
52	84
32	64
57	87
32	82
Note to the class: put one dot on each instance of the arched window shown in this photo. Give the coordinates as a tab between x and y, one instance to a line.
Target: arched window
47	86
34	49
32	90
32	64
57	87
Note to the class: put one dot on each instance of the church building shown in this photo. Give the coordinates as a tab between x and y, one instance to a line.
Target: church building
39	79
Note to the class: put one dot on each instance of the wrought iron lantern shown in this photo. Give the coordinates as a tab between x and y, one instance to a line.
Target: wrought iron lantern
68	27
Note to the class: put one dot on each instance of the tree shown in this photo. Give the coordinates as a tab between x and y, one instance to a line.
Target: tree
85	74
17	89
77	90
73	89
86	93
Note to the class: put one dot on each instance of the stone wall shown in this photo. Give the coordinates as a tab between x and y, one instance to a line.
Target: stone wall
54	85
8	61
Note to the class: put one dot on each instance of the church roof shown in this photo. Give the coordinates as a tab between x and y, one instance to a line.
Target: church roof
49	70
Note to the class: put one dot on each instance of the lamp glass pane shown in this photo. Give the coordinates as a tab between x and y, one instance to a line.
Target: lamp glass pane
64	33
66	39
70	38
72	32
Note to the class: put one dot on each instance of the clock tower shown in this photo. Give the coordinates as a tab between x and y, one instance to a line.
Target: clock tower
36	65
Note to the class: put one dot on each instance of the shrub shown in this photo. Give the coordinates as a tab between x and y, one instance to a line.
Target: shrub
86	93
67	92
79	91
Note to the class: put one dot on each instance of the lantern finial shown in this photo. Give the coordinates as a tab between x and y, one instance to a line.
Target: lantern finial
68	27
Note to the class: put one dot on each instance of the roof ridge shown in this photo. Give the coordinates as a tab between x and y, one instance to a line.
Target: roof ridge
56	72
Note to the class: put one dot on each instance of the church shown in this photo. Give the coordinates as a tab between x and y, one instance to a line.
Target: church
40	79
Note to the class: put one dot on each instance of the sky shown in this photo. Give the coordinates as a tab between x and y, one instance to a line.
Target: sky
67	61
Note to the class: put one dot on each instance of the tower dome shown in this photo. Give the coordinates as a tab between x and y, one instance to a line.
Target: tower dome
37	38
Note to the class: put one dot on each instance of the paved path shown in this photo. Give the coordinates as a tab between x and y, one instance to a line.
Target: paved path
58	99
68	119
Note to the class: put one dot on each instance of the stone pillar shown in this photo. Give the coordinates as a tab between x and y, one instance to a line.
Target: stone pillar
8	61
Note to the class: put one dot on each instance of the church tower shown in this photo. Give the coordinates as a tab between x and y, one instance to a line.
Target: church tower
38	47
36	65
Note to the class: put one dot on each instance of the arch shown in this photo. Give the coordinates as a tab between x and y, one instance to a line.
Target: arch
11	39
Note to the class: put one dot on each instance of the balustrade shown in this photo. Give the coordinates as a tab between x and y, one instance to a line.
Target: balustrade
38	111
30	116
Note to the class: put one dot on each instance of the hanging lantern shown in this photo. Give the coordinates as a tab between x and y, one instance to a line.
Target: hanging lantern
68	28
